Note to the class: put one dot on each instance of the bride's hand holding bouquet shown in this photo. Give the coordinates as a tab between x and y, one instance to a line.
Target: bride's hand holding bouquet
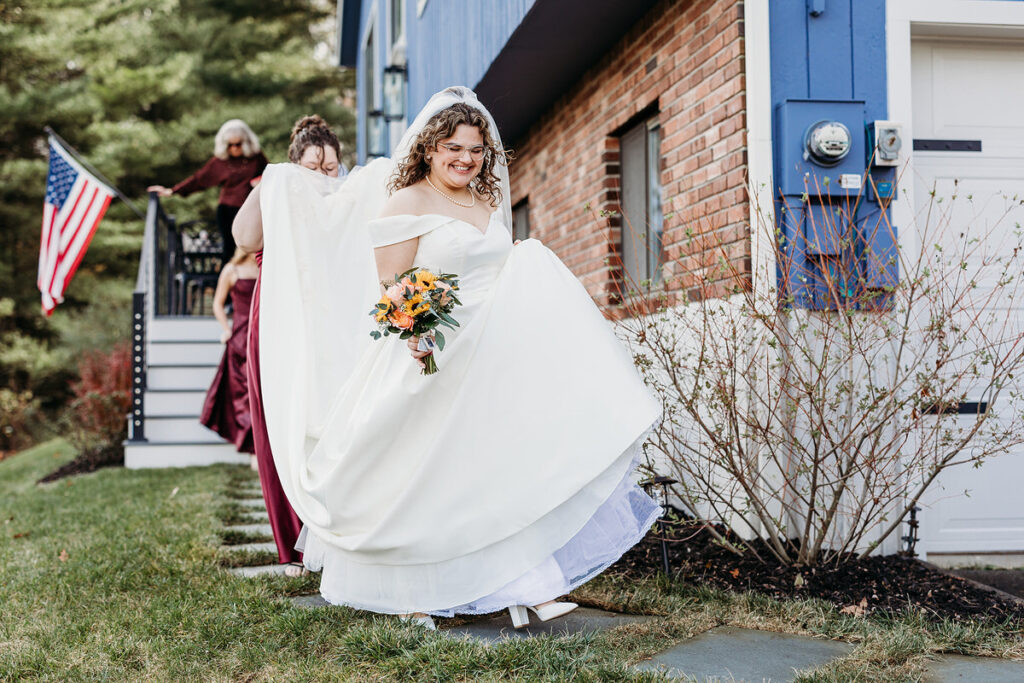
414	307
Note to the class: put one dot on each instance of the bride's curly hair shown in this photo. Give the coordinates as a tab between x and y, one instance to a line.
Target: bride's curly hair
441	126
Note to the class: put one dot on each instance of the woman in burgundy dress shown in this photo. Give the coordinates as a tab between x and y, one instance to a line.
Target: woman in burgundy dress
226	410
314	146
237	161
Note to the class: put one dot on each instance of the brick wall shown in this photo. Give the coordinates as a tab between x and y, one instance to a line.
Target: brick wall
684	59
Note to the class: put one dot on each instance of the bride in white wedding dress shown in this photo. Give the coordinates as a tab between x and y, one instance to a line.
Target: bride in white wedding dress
503	481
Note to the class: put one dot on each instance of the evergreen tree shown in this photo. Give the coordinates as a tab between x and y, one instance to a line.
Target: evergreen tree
139	87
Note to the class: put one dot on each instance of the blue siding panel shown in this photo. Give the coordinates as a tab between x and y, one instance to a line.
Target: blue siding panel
869	57
830	72
836	60
454	43
788	35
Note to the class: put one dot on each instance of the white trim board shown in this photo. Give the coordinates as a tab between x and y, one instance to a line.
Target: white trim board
760	163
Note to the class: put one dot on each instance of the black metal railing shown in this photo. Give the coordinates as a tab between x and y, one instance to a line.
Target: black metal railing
187	262
178	264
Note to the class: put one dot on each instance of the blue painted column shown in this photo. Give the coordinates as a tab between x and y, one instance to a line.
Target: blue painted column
828	63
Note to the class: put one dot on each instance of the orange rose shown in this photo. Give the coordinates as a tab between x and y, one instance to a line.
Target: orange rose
401	320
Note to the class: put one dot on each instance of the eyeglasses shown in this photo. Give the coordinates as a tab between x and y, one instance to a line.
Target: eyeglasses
235	144
476	152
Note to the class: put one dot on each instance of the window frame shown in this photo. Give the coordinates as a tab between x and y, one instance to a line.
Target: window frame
648	272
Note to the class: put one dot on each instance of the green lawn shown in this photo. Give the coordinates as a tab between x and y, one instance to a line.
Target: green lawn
115	576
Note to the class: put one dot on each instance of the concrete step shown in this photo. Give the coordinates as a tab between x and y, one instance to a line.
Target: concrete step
182	377
179	428
258	516
254	529
144	455
269	547
174	402
309	601
184	353
194	328
253	503
265	570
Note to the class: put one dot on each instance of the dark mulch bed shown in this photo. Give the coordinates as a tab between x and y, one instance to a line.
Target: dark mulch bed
862	586
88	461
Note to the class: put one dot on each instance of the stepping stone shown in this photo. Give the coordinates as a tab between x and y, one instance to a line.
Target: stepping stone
257	516
253	503
263	570
309	601
255	529
580	620
949	668
269	546
739	654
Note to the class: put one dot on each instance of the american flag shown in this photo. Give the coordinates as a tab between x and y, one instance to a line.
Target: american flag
75	204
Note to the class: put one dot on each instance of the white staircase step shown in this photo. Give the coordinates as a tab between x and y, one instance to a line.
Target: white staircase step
175	402
179	428
145	455
204	328
188	377
184	353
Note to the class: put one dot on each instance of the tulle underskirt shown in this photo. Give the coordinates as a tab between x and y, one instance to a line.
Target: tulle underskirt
618	524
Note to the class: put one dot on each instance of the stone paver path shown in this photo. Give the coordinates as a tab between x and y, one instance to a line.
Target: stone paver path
580	620
262	570
268	546
255	529
950	668
719	655
738	654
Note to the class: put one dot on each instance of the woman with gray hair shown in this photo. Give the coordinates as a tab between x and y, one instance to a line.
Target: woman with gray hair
237	162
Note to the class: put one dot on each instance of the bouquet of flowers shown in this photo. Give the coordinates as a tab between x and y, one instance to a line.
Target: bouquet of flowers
417	304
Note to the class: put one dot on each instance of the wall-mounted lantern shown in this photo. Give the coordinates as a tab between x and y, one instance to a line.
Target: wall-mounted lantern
395	79
376	129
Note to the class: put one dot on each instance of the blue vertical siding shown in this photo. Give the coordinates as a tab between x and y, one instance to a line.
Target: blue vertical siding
837	61
452	43
838	55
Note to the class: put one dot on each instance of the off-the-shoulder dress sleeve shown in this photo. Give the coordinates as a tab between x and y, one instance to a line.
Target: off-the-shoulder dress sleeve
395	229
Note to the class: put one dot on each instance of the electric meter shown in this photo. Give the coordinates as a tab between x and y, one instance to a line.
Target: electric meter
827	142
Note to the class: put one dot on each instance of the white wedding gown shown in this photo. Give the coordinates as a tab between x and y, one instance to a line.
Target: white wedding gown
506	478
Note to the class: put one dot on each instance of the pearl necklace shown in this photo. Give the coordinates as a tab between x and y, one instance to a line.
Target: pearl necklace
453	200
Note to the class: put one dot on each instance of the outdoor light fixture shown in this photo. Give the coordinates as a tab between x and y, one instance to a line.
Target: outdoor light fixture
666	509
376	134
394	91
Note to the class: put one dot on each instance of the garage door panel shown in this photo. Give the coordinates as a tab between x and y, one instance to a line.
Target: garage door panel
975	91
971	91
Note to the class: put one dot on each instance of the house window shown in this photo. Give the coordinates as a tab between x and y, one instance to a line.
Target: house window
640	200
397	14
521	220
370	70
373	126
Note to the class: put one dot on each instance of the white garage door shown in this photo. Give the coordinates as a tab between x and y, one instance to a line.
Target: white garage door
971	92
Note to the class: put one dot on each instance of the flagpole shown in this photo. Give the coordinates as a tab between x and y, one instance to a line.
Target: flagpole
78	157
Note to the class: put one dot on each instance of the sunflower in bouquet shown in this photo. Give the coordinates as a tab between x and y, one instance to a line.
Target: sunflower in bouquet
418	303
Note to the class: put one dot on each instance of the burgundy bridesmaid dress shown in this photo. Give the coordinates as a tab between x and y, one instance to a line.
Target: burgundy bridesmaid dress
283	520
226	409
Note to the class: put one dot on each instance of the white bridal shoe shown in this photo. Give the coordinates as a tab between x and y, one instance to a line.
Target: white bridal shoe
521	617
425	621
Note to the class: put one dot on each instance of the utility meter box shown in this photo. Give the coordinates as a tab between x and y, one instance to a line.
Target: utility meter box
885	140
818	143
